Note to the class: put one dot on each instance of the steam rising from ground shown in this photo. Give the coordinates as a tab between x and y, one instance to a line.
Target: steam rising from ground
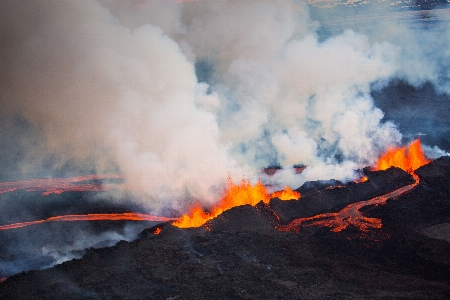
178	96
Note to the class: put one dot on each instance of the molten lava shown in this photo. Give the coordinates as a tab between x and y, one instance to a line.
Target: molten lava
407	158
60	185
286	194
236	195
362	179
128	216
349	215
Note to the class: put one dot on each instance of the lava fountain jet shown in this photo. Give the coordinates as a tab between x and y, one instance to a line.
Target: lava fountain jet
407	158
236	195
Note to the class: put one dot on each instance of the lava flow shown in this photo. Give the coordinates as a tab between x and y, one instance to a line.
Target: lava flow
236	195
60	185
128	216
349	215
407	158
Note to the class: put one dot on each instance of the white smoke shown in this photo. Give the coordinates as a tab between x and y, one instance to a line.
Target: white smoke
345	171
434	152
92	81
116	81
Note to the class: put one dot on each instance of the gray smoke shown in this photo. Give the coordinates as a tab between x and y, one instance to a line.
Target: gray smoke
176	96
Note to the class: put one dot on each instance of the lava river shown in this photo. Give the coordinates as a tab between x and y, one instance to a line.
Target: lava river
128	216
407	158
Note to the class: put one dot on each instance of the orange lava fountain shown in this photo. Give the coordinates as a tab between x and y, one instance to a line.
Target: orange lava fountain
236	195
128	216
407	158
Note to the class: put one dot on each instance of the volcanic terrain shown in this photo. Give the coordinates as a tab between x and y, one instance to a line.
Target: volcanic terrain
245	254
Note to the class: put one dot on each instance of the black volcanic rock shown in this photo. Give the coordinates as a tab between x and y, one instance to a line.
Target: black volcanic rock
244	218
436	173
239	255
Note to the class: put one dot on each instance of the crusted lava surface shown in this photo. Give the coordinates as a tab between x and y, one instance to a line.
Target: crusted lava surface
241	254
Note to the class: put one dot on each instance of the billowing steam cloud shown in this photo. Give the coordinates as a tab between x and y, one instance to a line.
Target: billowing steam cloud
178	96
96	84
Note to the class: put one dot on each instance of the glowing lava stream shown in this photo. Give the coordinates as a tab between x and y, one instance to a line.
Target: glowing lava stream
128	216
408	159
60	185
349	215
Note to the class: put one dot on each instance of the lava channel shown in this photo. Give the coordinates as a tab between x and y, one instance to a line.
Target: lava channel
60	185
349	215
128	216
408	158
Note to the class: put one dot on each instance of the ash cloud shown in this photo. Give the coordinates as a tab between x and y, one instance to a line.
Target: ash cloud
114	83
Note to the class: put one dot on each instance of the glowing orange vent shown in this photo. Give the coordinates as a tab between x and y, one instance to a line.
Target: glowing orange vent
407	158
236	195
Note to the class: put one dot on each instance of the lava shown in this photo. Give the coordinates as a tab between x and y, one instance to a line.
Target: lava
286	194
349	215
362	179
409	158
127	216
3	279
236	195
335	187
60	185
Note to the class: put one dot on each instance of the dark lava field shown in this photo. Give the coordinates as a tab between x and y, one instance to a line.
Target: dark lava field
242	255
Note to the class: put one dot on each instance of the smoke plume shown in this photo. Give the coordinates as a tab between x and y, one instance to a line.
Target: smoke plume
176	96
